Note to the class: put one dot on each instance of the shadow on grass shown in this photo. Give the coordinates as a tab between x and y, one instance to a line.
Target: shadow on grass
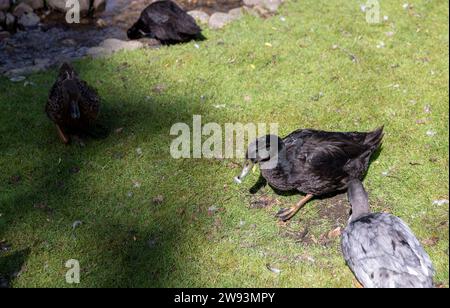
124	254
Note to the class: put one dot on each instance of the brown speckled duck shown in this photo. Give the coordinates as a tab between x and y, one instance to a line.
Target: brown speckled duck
72	104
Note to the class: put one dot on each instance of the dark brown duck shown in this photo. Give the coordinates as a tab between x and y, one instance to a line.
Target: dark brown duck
72	104
313	162
166	22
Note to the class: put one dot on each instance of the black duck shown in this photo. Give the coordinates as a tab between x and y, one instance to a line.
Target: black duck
313	162
166	22
72	104
381	249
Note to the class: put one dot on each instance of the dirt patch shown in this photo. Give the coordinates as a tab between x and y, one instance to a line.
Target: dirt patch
335	210
263	201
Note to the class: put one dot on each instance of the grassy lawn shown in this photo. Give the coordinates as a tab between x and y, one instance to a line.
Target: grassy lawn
127	239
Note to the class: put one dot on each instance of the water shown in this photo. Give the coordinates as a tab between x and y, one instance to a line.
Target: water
57	41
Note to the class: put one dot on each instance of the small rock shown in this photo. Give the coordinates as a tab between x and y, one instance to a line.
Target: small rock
219	20
69	42
99	5
17	78
109	46
272	5
101	23
236	13
199	16
60	5
21	9
252	2
35	4
29	20
261	11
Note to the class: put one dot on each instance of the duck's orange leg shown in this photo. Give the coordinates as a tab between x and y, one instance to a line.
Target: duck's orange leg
62	136
286	214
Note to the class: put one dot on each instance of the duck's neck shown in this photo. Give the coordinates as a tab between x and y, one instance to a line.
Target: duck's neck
278	165
358	199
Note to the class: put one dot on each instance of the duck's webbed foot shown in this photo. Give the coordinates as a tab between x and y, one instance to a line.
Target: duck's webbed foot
64	138
287	214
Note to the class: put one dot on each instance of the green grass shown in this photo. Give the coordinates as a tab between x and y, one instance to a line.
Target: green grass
194	249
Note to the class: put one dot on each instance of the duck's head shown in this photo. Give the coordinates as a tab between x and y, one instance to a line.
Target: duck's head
135	33
71	95
263	151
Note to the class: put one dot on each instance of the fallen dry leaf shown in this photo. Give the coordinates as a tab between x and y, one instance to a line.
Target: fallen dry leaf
335	233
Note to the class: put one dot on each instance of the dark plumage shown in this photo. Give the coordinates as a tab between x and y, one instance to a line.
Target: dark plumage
166	22
72	104
312	162
381	250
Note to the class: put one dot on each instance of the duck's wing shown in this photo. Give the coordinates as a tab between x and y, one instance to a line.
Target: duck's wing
54	106
384	253
90	103
330	156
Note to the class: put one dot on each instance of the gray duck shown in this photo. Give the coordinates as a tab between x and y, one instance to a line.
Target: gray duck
72	104
381	249
313	162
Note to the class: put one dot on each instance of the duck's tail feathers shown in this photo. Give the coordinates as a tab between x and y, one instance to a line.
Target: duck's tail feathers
374	139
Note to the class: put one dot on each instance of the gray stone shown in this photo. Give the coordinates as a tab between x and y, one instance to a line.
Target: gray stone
219	20
252	2
4	5
109	46
250	11
261	11
60	5
272	5
236	13
200	16
34	4
21	9
29	20
39	66
99	5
